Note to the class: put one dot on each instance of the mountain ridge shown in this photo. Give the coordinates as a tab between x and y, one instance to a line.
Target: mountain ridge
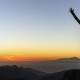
19	73
71	58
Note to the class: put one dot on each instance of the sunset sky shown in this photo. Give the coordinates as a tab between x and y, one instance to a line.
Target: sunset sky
38	29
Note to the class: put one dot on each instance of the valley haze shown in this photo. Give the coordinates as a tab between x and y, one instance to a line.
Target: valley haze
49	66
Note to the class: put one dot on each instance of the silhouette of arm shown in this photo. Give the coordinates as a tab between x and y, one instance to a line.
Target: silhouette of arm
74	15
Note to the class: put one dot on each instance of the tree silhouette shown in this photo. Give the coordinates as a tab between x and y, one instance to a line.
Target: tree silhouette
74	15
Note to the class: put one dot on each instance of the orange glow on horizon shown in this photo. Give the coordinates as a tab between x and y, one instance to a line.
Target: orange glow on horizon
37	54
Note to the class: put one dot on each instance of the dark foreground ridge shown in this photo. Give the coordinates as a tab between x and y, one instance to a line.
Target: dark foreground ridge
20	73
73	74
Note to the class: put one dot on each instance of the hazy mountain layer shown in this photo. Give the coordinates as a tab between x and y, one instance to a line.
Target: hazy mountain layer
49	66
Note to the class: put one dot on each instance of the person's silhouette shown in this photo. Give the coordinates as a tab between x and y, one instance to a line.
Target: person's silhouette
74	15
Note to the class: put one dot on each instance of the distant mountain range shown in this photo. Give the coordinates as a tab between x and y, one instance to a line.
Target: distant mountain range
57	65
50	66
72	58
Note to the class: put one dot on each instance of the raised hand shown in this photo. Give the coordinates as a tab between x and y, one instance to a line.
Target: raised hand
74	15
71	10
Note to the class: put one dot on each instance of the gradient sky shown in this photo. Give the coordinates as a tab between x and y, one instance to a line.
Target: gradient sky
38	29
